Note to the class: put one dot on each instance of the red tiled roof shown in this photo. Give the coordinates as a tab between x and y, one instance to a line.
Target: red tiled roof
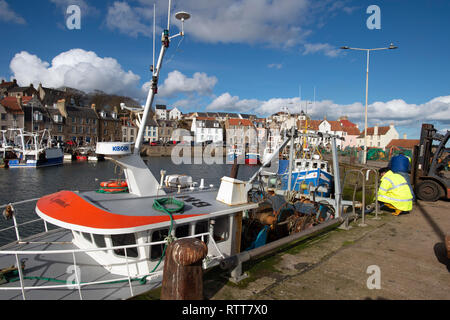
240	122
26	99
312	124
336	126
6	84
205	118
403	143
12	105
347	123
351	131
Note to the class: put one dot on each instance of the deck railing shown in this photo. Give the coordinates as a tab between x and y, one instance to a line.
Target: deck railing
78	284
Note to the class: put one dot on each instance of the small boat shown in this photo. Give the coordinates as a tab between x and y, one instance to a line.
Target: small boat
252	158
32	152
86	154
235	153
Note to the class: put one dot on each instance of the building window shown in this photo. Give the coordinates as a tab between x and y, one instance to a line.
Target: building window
74	120
3	116
74	129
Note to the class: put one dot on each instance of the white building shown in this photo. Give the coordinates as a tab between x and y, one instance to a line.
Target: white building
175	114
151	131
207	130
378	137
161	112
334	128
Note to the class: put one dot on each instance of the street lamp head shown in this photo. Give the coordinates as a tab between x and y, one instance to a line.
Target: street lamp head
345	48
392	46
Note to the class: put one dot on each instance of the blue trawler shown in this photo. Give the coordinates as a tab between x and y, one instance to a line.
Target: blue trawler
307	174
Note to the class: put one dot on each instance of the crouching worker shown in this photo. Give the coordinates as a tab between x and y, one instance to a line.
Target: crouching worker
394	192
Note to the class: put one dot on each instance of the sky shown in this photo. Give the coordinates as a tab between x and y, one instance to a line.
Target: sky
248	56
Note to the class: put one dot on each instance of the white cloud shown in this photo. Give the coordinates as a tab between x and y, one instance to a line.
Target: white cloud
325	48
276	23
76	68
275	66
176	83
126	19
226	102
8	15
397	111
86	9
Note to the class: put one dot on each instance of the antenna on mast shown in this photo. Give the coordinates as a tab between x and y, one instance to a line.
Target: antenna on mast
153	90
154	35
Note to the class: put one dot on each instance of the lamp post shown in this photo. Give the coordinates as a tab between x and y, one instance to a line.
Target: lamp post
391	47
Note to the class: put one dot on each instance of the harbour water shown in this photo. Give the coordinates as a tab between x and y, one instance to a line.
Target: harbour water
23	184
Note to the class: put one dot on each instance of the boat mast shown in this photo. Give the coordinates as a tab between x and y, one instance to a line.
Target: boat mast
183	16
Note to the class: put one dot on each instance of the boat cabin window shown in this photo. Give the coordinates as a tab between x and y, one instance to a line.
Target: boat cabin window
202	227
87	236
323	166
125	240
156	250
99	240
222	229
315	165
182	231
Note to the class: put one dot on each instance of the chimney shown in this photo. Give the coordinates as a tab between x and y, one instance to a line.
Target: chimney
19	100
405	136
15	81
93	107
3	81
375	130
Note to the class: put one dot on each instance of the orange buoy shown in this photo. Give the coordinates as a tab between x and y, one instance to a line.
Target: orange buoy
113	184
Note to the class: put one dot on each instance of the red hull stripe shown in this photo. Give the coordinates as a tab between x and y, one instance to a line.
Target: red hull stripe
68	207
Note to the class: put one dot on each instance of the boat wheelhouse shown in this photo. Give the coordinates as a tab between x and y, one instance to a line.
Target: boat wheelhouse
307	174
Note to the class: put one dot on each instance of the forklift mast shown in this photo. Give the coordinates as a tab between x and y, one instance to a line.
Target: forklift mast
429	163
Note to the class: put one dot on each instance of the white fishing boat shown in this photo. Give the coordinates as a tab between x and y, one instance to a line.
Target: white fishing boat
34	150
110	243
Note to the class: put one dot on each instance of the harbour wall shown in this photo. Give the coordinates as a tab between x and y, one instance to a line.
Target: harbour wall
166	151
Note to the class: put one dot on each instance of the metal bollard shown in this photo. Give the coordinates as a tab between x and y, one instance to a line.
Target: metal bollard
183	274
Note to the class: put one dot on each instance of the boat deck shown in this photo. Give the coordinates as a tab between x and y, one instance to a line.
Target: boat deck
60	268
123	213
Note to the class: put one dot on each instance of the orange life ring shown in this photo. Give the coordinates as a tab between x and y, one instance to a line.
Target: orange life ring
115	190
114	184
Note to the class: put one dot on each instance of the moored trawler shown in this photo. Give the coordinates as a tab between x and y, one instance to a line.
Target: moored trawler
111	243
32	152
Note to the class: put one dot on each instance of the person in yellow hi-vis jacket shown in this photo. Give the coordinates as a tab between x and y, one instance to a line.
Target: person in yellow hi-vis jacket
394	192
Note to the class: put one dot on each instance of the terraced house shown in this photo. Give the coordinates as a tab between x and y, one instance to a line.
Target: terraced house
110	125
11	113
80	124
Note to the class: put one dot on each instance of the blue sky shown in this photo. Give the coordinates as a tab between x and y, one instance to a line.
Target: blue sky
248	56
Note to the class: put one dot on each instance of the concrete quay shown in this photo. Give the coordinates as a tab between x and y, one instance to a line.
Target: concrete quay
409	252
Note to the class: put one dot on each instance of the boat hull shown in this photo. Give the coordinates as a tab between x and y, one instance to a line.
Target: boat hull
302	181
252	159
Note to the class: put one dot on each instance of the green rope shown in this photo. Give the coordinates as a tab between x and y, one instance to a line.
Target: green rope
119	190
159	205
